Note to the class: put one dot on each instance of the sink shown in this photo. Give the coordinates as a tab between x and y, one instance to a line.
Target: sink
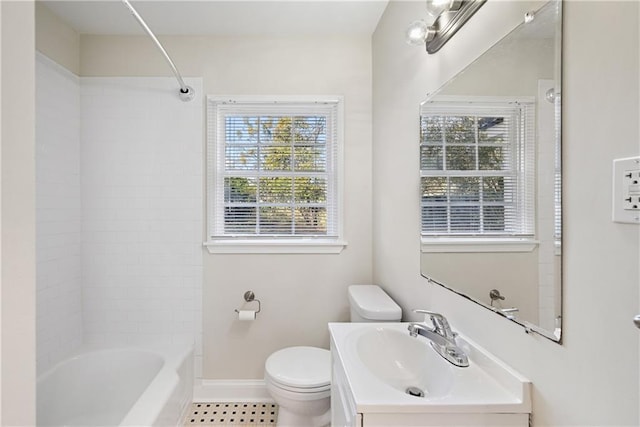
379	362
407	364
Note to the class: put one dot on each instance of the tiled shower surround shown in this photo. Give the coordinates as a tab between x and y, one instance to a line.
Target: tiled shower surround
58	213
140	186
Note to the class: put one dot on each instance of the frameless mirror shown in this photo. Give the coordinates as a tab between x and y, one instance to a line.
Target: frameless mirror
491	177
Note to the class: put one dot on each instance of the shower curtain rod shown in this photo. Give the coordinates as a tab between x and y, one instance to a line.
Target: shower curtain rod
186	92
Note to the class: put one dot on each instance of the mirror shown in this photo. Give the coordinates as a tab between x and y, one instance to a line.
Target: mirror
491	177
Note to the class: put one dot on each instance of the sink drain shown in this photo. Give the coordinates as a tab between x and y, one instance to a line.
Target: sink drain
415	391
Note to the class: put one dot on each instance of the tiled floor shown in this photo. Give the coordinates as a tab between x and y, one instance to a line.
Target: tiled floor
246	414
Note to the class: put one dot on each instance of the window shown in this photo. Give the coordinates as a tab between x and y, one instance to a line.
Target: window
477	171
274	175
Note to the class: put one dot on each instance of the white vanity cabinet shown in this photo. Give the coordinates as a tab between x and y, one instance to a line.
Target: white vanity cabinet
343	408
372	362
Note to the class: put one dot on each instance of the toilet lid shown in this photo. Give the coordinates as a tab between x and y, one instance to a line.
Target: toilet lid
300	367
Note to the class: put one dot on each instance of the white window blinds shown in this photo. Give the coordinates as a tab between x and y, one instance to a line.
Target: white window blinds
477	165
275	169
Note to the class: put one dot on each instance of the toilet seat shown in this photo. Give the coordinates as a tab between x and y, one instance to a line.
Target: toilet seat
300	369
298	390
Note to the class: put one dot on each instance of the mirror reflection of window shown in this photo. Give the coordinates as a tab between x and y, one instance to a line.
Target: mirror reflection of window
476	167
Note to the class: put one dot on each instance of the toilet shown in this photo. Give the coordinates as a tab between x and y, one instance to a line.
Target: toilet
369	303
299	378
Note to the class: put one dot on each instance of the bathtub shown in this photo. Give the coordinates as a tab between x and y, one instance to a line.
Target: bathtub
117	387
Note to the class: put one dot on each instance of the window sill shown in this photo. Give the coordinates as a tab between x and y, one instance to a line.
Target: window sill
301	246
451	244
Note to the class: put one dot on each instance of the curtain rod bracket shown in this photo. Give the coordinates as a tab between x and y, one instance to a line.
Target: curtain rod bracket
187	95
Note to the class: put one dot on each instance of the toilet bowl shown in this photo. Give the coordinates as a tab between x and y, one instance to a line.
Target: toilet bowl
299	378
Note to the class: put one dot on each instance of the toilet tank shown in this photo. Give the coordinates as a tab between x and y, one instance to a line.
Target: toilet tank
369	303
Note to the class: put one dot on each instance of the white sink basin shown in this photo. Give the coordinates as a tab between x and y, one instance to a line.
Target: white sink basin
404	362
381	360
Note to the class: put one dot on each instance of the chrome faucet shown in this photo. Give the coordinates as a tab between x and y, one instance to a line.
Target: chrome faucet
440	324
441	337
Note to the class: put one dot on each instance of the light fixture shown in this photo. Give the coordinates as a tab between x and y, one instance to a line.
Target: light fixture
445	17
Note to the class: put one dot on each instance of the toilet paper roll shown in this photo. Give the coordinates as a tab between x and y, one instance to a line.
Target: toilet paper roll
246	315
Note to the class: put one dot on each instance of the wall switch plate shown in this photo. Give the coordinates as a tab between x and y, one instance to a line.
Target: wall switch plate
626	190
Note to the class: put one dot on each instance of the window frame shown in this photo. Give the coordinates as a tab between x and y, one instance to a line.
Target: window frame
246	244
456	243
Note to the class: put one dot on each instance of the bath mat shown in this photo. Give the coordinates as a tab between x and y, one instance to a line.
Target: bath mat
246	414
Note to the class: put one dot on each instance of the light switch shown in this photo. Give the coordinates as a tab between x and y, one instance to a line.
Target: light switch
626	190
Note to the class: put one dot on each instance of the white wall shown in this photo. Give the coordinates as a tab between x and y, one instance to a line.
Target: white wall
58	213
533	58
56	39
17	361
299	293
581	382
141	168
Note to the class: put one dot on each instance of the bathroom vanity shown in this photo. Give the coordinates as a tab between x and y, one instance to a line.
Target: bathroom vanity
382	376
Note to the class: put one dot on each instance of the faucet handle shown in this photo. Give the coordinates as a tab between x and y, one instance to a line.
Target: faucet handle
428	314
440	323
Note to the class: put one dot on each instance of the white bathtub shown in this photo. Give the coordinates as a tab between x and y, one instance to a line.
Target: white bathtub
118	387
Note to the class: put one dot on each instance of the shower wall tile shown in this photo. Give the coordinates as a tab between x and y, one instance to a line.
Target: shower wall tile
58	213
142	193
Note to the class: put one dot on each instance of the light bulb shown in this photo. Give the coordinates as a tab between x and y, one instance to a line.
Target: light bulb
436	7
418	32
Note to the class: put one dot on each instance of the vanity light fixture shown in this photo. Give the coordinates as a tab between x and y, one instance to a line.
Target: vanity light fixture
445	17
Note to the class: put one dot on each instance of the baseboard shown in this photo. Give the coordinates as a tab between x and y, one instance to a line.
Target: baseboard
230	391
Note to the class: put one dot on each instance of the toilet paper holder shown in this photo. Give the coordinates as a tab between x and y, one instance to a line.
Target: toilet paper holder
249	296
